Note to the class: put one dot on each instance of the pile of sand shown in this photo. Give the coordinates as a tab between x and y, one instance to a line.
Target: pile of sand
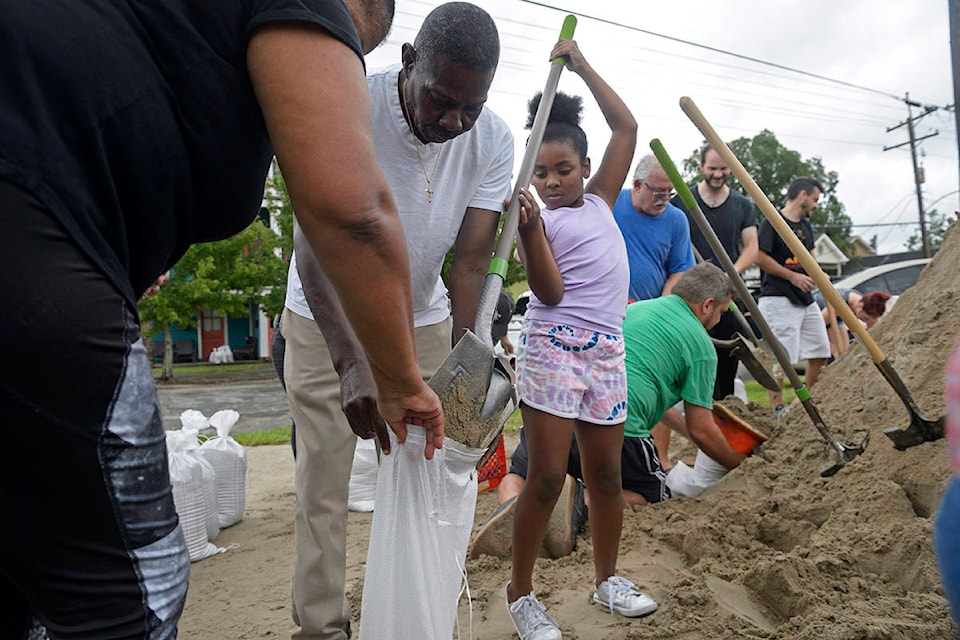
776	551
773	551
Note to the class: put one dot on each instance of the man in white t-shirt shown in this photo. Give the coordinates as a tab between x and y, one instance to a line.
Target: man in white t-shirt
449	162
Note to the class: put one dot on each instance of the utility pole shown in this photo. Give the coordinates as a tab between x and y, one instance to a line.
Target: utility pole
953	8
918	178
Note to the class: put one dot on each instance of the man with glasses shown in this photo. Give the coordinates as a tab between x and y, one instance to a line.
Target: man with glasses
656	232
659	250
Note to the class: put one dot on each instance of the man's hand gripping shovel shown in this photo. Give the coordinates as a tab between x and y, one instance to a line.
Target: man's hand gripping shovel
475	387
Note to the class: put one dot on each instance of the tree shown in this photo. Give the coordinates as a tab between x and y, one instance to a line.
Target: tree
773	166
277	199
231	276
937	224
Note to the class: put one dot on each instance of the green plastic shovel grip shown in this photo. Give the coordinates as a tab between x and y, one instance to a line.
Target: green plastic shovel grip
566	33
671	170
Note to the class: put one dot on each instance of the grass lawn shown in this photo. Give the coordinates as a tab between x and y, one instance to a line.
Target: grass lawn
278	435
198	371
758	394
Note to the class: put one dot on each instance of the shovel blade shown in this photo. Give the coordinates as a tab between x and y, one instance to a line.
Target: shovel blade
472	393
921	430
845	454
754	360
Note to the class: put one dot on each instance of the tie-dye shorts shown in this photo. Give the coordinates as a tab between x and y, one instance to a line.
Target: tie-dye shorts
571	372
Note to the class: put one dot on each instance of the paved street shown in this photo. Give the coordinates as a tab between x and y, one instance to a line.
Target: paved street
261	404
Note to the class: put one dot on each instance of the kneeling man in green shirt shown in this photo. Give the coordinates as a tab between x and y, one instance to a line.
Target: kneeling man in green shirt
670	357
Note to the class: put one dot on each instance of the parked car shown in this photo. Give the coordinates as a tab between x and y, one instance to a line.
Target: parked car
893	278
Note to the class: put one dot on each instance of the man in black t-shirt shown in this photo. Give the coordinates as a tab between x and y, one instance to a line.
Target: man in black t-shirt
733	220
786	301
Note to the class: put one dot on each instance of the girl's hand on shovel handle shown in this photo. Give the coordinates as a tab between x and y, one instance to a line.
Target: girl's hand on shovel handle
421	408
529	209
569	50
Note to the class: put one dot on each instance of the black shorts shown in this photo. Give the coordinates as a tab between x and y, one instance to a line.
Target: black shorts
640	468
92	545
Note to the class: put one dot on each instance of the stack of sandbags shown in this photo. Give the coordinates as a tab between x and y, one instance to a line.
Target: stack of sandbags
193	481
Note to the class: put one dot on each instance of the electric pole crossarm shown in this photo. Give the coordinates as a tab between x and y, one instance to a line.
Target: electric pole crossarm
929	135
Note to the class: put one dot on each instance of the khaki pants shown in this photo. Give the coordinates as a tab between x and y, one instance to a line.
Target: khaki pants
325	446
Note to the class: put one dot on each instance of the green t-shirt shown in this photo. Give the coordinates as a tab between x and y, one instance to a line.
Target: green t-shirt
669	357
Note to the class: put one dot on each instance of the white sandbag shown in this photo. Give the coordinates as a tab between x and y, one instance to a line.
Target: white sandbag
418	540
193	419
186	479
740	390
363	477
680	481
191	422
686	481
221	355
229	460
707	470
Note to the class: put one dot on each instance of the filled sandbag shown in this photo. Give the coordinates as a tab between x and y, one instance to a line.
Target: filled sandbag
186	480
229	460
690	482
192	421
411	591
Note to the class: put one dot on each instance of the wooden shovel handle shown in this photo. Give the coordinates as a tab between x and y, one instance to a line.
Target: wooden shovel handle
770	212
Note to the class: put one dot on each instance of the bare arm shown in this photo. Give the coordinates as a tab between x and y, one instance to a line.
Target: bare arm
608	179
543	275
774	268
358	396
698	426
748	254
313	94
471	259
671	280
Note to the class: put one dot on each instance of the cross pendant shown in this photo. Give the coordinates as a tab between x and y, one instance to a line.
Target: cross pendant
429	194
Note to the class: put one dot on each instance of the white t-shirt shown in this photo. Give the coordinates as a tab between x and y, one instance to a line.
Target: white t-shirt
474	170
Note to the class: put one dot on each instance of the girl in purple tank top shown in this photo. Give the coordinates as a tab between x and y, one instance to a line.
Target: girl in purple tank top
570	360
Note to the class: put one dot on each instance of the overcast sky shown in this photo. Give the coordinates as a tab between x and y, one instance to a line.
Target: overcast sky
885	48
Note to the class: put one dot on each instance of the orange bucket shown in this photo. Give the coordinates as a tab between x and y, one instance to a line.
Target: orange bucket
739	434
493	471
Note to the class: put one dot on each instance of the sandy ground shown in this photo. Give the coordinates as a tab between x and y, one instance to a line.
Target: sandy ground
773	551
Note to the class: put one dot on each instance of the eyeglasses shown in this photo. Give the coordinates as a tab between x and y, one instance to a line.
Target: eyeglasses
660	193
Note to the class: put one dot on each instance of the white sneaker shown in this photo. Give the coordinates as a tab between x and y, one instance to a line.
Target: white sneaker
622	596
531	620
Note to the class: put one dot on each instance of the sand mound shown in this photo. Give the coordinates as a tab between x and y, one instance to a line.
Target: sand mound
776	551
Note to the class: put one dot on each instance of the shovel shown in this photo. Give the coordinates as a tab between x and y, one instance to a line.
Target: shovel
752	359
844	452
921	429
478	396
747	352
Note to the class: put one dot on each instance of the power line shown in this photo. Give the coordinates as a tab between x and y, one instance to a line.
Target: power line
717	50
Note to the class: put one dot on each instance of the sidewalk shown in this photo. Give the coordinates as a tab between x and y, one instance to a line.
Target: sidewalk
261	403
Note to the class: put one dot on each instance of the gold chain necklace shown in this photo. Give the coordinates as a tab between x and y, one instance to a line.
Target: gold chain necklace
417	144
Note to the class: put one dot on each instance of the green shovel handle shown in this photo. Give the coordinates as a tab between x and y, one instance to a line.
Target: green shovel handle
566	33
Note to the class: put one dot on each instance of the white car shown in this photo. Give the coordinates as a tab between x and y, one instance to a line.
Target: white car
893	278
